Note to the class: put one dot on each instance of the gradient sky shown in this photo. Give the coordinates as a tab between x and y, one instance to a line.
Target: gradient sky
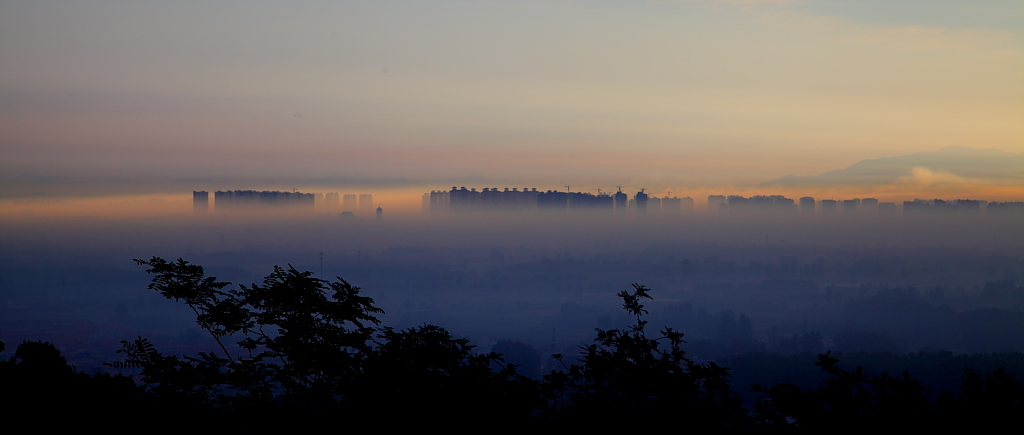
109	98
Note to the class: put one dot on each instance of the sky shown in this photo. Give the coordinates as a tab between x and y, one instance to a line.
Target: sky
128	101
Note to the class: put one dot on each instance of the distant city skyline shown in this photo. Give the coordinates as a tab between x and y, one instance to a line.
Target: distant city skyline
102	99
619	203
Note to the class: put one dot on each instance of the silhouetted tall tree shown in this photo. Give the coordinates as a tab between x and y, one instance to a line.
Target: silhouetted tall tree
310	348
299	338
625	378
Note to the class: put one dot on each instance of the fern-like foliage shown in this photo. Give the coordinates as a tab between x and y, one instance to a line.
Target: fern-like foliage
138	354
297	338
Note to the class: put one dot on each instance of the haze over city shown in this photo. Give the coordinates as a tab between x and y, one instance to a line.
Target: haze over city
788	177
700	97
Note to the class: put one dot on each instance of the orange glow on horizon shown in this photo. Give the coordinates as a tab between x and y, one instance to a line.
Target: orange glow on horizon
408	201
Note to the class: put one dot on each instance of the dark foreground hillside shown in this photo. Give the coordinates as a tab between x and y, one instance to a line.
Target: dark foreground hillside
299	352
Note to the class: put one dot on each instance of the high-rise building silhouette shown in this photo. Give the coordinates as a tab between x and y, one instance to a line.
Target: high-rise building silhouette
621	201
234	201
439	201
829	206
332	202
348	203
493	199
807	205
686	204
200	202
716	203
552	200
1004	208
850	206
365	204
641	202
968	206
918	206
869	205
653	205
671	206
760	203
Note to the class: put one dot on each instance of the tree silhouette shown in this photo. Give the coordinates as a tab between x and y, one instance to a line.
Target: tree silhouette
522	355
991	401
297	353
300	339
624	378
39	384
308	348
428	375
852	399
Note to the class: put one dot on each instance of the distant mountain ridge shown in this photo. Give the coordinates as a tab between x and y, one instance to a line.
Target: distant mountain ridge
960	161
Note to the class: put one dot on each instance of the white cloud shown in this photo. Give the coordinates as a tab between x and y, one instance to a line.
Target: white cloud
925	177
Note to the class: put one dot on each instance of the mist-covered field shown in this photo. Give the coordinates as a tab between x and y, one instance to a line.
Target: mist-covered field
732	282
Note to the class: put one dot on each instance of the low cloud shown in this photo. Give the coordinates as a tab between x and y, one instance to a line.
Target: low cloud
922	177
